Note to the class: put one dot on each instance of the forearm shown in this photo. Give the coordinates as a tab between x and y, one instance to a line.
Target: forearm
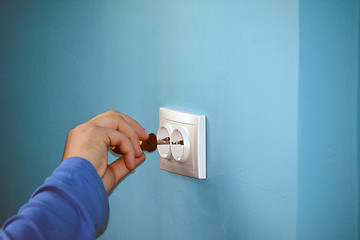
72	204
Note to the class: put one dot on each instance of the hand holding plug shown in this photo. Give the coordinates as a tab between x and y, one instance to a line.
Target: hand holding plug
92	139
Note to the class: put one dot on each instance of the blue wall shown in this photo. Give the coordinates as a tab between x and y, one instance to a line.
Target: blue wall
241	63
328	196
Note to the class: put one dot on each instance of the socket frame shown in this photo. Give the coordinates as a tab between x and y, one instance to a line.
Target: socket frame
194	125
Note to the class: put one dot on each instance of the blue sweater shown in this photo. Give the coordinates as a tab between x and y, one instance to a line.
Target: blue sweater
71	204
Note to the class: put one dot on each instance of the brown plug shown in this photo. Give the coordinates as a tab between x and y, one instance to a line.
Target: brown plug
150	144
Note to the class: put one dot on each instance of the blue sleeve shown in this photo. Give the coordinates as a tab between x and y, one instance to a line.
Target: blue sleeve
71	204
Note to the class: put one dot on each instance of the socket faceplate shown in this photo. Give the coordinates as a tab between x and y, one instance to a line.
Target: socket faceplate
188	159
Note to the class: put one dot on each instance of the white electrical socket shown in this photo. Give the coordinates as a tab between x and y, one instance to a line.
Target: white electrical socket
186	152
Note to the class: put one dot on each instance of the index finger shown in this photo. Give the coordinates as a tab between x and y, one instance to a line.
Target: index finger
139	130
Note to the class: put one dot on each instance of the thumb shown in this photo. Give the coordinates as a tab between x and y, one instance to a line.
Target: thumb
116	171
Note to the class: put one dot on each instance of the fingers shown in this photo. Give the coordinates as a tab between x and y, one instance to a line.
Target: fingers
124	145
119	168
140	131
123	123
119	124
117	171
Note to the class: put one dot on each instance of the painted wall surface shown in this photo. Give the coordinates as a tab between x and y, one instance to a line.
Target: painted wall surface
235	61
62	62
328	196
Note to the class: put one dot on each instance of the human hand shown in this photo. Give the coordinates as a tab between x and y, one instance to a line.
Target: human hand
92	139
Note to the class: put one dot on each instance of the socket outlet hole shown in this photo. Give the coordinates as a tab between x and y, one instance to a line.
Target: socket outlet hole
180	145
164	149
